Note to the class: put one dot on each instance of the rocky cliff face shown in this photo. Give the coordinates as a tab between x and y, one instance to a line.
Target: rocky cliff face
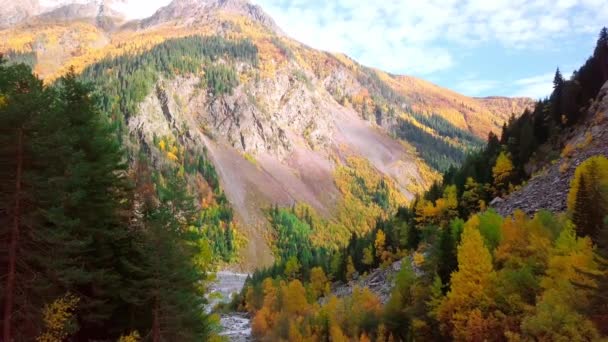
14	12
272	142
549	188
32	12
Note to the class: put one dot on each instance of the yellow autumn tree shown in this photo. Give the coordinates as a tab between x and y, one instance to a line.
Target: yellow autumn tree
294	298
441	212
597	164
58	317
560	311
469	286
350	268
318	282
502	172
336	334
588	196
260	324
380	244
292	268
132	337
294	333
270	293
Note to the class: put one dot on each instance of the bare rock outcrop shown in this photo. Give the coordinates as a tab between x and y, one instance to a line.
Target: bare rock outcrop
549	189
272	141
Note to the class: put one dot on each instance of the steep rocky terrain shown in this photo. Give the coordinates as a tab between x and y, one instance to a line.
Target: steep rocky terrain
194	12
277	137
549	188
35	12
14	12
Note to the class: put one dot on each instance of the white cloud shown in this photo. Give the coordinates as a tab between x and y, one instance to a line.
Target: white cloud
537	86
412	36
475	87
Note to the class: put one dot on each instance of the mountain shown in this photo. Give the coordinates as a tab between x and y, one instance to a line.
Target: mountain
253	118
530	266
194	12
587	140
55	11
477	115
15	12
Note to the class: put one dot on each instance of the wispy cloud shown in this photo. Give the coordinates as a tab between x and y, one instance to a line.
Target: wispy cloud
537	86
426	37
436	39
475	86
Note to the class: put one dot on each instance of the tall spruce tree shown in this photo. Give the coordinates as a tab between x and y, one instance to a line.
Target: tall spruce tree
25	283
556	97
601	52
170	283
580	216
591	202
62	193
87	206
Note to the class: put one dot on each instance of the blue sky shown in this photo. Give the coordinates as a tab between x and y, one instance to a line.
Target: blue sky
476	47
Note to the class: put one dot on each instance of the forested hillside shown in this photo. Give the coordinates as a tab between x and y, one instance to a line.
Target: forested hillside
253	119
466	272
139	157
90	249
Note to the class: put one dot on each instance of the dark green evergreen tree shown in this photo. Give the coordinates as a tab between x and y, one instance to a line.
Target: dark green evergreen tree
556	97
67	230
580	215
90	194
601	52
447	261
26	285
169	280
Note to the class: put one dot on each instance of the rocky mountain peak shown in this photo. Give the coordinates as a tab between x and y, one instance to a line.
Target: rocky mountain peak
190	11
97	10
13	13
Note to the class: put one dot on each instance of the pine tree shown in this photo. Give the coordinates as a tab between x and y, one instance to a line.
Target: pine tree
601	52
587	200
169	283
90	198
579	215
70	234
447	256
556	97
471	197
558	79
398	315
23	102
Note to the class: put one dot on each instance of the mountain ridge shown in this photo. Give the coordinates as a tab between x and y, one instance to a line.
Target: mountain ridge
281	123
